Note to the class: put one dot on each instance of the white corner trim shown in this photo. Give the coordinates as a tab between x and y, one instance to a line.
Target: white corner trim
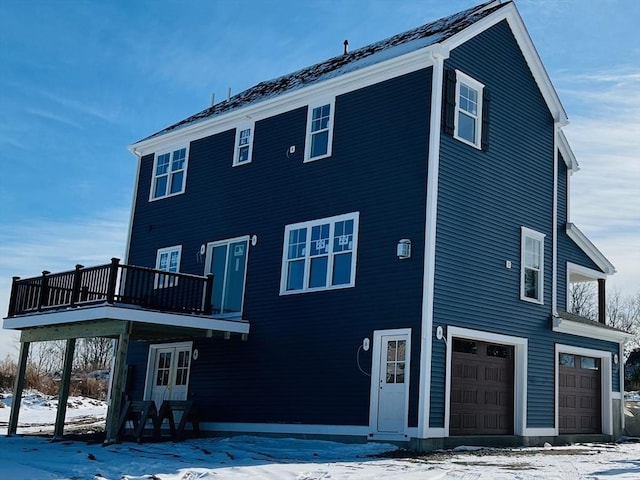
431	207
590	249
570	327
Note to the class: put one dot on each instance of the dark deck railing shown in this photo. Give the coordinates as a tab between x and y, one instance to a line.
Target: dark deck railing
112	283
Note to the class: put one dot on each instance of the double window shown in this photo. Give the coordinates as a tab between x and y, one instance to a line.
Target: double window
168	260
532	266
468	111
244	145
320	254
319	131
169	174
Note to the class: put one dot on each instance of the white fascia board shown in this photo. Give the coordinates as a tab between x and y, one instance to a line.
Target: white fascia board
113	312
567	154
570	327
287	101
590	249
510	13
589	273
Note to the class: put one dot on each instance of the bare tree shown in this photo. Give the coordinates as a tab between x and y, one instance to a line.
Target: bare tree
93	354
582	299
623	312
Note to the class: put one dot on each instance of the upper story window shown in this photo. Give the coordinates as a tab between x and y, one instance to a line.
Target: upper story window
227	261
244	146
167	259
532	266
320	254
468	111
169	174
319	131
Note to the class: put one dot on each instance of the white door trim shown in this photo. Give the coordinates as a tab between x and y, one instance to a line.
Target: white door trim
375	380
606	383
151	361
520	346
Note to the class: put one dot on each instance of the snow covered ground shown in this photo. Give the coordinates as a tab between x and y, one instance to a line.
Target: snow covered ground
248	457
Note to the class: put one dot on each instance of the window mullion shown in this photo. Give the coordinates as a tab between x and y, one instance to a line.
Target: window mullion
307	259
330	255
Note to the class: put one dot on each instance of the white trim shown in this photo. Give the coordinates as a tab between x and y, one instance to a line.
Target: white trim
293	99
567	153
167	281
331	102
116	312
209	259
375	380
308	225
590	249
554	226
289	428
616	395
510	13
581	329
539	432
587	272
127	247
520	365
431	209
605	383
535	235
478	87
185	169
236	150
151	362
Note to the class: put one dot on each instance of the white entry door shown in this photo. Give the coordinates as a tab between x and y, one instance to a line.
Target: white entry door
168	376
391	382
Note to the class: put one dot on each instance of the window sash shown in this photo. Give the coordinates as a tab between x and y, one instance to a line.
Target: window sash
319	131
244	139
468	110
532	266
168	260
169	174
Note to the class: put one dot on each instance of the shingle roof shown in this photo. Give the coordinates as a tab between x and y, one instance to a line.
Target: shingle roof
402	43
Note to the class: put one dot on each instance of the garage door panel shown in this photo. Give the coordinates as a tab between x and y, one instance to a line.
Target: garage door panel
481	389
580	406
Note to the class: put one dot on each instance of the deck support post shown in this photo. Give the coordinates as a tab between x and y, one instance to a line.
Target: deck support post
602	301
18	386
119	378
63	392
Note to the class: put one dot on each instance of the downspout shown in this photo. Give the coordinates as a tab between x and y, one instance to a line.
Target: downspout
439	55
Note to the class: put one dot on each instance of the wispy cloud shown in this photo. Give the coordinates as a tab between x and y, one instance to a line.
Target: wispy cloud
28	248
605	194
52	116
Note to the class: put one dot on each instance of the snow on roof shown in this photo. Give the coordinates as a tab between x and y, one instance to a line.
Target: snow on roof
400	44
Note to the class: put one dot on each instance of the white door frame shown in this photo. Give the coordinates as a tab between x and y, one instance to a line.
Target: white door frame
375	381
151	362
606	383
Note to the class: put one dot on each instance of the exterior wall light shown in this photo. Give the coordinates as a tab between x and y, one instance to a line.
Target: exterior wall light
404	249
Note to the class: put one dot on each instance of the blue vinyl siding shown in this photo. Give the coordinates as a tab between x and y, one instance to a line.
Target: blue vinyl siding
484	199
299	362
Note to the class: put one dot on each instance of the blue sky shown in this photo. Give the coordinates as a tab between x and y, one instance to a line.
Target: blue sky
80	80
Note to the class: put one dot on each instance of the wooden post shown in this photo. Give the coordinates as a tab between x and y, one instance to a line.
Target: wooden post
63	392
18	386
208	306
113	279
119	377
44	289
77	281
602	303
14	297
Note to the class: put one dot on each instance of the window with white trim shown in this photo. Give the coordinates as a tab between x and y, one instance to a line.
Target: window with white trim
244	145
319	131
532	266
468	111
169	174
320	254
168	260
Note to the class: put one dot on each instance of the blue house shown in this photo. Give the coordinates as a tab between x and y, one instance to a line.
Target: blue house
376	247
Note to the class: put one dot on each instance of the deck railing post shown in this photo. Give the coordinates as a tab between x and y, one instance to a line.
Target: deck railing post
113	280
207	308
44	289
14	297
77	281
